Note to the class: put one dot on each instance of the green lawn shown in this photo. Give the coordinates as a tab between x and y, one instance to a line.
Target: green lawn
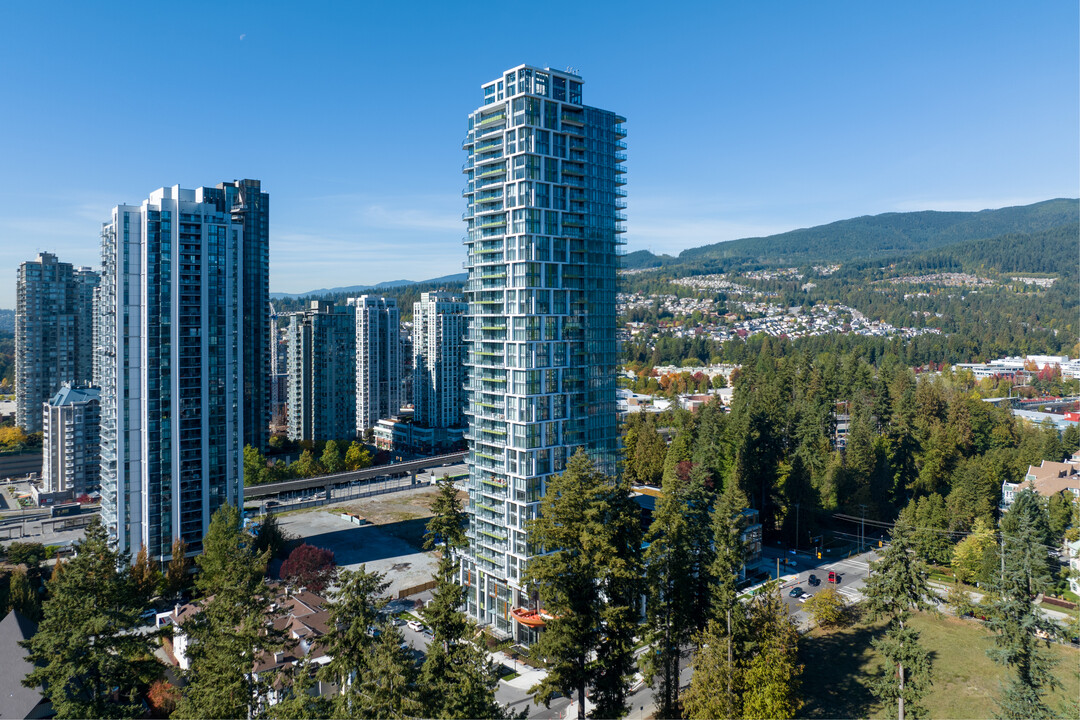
840	665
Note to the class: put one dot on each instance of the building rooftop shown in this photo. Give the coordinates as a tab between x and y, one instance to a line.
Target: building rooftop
69	395
17	700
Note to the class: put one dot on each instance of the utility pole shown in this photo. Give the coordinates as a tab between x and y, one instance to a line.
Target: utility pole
862	527
796	526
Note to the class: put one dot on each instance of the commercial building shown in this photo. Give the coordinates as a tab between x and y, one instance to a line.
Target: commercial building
249	207
53	333
321	370
378	360
402	436
438	362
71	422
544	195
170	367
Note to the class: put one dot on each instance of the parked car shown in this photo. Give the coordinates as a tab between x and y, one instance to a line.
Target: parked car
814	580
415	625
796	592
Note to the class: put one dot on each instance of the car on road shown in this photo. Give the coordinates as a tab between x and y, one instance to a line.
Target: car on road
805	596
416	626
796	592
833	577
813	581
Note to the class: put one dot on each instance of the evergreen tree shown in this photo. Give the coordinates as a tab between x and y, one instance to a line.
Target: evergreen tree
85	652
930	522
271	538
621	572
457	680
233	628
771	678
22	596
229	558
1024	572
716	685
299	701
679	453
671	607
650	452
897	585
388	687
589	581
354	609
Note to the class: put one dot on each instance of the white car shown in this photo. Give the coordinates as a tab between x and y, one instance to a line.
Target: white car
804	597
415	625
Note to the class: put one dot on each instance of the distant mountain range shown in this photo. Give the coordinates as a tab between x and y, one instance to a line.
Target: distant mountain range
445	279
872	236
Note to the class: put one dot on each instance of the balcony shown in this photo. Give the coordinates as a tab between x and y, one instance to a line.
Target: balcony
573	119
488	145
489	172
491	120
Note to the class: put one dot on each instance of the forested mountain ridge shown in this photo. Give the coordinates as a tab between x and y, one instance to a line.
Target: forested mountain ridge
1046	252
874	236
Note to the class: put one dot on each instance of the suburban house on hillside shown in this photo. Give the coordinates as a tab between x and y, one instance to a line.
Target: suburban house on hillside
1049	479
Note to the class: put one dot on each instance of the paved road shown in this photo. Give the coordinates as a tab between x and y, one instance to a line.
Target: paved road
851	572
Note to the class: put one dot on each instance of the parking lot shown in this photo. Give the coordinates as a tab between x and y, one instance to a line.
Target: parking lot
390	544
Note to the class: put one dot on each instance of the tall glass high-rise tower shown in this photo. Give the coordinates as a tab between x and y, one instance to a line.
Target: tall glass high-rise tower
170	367
544	196
53	333
249	206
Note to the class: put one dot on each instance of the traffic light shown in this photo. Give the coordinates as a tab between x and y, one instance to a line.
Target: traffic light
819	556
880	543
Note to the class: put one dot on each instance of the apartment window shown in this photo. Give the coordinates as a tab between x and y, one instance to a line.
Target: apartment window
551	115
558	87
575	92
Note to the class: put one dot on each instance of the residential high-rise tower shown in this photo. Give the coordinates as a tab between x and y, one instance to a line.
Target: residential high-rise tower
544	195
53	333
71	422
438	365
378	360
321	366
170	366
249	206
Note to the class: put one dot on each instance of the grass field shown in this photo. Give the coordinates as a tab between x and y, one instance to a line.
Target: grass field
841	664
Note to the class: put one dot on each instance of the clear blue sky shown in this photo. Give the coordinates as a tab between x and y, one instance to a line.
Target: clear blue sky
743	118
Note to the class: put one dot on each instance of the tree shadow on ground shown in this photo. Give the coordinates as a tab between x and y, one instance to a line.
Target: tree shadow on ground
835	683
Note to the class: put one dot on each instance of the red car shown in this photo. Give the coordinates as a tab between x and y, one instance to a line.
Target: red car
833	577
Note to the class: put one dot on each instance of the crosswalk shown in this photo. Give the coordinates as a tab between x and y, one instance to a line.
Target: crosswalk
851	594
